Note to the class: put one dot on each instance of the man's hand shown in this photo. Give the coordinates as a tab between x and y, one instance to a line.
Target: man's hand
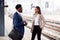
25	23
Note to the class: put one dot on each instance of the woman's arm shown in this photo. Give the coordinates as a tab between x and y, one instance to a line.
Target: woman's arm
43	21
32	24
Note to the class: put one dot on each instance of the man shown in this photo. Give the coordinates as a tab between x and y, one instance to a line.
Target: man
18	23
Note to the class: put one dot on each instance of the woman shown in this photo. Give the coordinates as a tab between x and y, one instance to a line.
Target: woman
38	23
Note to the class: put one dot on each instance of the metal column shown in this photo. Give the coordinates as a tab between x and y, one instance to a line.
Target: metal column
1	17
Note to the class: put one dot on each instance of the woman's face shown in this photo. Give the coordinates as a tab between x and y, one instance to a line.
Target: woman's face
36	10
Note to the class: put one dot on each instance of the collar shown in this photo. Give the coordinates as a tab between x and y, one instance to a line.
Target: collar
19	13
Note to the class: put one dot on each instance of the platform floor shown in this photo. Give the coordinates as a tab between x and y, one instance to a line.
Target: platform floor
8	28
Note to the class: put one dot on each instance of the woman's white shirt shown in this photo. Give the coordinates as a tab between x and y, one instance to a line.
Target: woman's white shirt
36	19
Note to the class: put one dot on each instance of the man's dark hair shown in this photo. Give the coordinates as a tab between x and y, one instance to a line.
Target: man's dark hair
18	6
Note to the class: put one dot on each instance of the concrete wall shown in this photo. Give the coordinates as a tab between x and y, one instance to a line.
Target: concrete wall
47	6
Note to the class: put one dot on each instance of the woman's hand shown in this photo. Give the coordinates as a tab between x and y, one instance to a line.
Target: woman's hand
31	30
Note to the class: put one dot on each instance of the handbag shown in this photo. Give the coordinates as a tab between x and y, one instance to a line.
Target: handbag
14	34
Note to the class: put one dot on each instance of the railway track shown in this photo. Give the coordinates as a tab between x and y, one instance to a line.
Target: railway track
51	29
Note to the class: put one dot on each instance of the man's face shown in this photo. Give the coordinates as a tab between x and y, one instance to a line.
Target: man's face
20	10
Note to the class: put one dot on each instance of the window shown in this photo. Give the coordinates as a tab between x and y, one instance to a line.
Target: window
46	5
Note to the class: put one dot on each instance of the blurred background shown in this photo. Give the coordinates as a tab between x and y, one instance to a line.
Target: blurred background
50	10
